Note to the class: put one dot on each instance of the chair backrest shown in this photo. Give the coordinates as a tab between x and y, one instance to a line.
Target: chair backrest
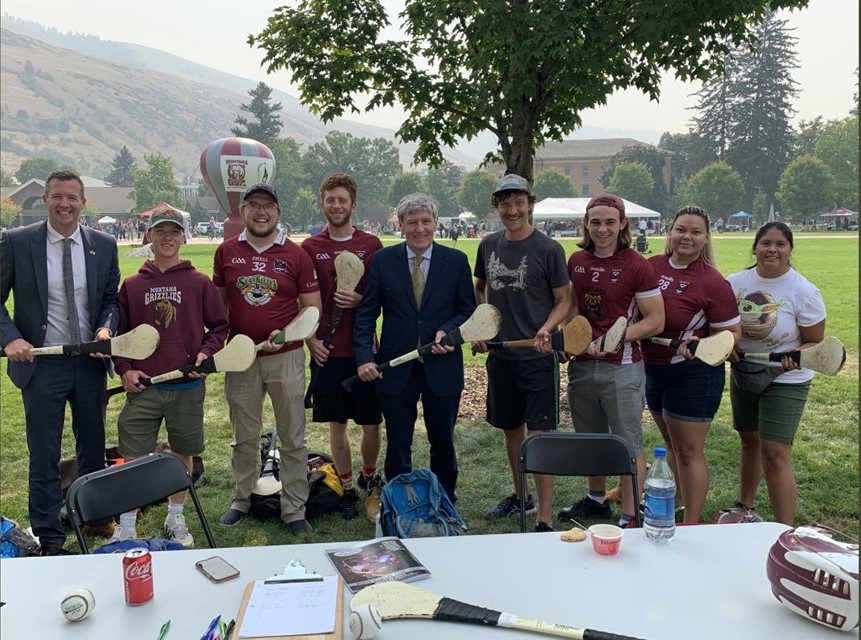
576	454
109	492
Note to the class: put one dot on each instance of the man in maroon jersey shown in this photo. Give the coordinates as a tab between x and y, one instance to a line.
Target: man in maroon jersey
606	391
265	279
336	361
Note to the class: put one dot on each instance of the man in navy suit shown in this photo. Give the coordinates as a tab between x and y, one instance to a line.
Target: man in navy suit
447	301
31	268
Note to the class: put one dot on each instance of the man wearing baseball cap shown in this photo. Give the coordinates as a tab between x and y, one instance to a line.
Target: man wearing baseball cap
169	294
606	391
265	278
528	284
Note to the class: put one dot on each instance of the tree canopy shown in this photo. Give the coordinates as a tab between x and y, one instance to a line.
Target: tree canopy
523	72
632	181
805	189
265	123
475	193
552	183
403	184
718	188
39	168
121	169
155	184
653	160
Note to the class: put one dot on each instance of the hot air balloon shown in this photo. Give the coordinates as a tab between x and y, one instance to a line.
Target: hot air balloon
231	165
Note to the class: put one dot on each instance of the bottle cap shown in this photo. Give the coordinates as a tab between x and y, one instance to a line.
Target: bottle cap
660	452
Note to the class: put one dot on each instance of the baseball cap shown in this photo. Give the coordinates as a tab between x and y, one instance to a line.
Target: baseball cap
168	214
512	182
261	187
607	200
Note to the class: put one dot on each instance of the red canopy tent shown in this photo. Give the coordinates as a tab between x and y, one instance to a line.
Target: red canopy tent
837	213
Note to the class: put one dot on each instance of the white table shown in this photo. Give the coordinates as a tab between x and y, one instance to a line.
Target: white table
709	582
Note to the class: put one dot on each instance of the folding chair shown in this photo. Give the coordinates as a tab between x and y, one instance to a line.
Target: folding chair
109	492
576	454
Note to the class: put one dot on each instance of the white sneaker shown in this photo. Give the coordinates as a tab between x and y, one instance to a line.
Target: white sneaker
175	529
123	533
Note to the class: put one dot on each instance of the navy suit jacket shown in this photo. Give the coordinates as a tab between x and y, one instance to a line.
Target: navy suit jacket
448	301
24	273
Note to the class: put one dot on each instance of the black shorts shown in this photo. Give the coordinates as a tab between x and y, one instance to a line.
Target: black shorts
523	391
333	404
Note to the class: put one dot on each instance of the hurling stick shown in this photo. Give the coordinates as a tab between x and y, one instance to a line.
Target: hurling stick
137	344
826	357
399	600
573	338
301	327
611	341
237	355
349	270
713	350
483	324
267	483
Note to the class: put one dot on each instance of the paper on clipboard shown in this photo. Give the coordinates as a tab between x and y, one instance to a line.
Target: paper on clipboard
290	608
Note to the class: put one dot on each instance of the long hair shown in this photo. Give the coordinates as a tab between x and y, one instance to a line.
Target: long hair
768	226
707	254
607	200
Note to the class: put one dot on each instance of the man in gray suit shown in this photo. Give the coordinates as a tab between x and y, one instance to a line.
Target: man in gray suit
58	304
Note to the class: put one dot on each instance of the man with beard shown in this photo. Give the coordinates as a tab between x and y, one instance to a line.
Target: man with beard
265	279
335	362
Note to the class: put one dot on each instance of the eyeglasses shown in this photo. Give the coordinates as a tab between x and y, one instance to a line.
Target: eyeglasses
253	207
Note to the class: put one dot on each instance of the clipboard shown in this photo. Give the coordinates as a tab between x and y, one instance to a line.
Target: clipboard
337	634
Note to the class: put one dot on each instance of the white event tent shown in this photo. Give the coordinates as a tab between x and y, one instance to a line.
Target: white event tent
568	208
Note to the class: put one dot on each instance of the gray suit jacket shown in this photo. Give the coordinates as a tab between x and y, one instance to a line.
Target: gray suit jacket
24	273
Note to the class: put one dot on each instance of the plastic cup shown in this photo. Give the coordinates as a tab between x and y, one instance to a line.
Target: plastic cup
606	538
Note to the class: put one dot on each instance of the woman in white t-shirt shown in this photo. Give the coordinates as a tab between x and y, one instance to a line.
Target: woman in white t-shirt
780	311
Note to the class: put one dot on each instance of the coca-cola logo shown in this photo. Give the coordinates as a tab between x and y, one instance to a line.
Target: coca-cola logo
138	570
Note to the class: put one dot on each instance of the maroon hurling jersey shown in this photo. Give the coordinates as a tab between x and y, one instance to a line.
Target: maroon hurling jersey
323	249
263	288
697	302
606	288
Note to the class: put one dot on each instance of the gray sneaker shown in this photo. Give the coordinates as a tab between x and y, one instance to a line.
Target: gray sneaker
298	527
231	517
510	506
175	529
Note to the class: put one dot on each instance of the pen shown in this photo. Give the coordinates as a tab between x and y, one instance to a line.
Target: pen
289	580
229	633
164	629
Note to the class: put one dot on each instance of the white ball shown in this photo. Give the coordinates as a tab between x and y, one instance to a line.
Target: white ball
77	604
365	622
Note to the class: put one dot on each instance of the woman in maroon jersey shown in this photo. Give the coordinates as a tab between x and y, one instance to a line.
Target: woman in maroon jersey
683	394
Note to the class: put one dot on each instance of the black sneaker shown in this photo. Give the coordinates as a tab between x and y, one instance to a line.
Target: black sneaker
54	549
586	508
298	527
510	506
541	527
349	504
231	517
366	483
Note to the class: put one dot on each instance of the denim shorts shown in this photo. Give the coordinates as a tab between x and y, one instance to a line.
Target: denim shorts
689	390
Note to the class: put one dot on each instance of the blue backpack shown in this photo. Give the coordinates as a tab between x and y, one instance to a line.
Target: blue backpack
414	505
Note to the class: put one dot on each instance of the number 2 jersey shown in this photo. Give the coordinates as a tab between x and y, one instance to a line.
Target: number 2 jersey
263	288
606	288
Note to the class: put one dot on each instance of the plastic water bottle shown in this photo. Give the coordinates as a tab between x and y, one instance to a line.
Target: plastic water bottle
660	488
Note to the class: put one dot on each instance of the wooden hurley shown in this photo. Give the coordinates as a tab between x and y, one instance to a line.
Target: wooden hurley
611	341
483	324
237	355
301	328
137	344
267	483
713	350
349	270
826	357
399	600
573	338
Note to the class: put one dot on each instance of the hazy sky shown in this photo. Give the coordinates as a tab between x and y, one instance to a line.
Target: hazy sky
214	32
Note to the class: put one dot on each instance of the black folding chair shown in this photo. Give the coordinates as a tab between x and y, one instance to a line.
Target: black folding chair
109	492
576	454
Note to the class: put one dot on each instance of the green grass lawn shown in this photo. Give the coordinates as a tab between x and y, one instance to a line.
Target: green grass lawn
825	453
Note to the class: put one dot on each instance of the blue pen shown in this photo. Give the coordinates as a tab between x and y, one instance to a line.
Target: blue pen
211	629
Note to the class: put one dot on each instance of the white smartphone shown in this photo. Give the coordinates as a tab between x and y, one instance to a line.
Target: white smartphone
217	569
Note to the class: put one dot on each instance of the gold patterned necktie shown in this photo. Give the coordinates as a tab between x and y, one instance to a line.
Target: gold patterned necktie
418	280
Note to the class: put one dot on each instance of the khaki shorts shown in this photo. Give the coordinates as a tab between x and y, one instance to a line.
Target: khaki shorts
608	398
142	415
775	413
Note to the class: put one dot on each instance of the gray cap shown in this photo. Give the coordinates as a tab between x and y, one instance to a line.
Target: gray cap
261	187
512	182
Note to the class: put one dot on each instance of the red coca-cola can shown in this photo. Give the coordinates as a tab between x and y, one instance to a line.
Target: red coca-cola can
137	576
